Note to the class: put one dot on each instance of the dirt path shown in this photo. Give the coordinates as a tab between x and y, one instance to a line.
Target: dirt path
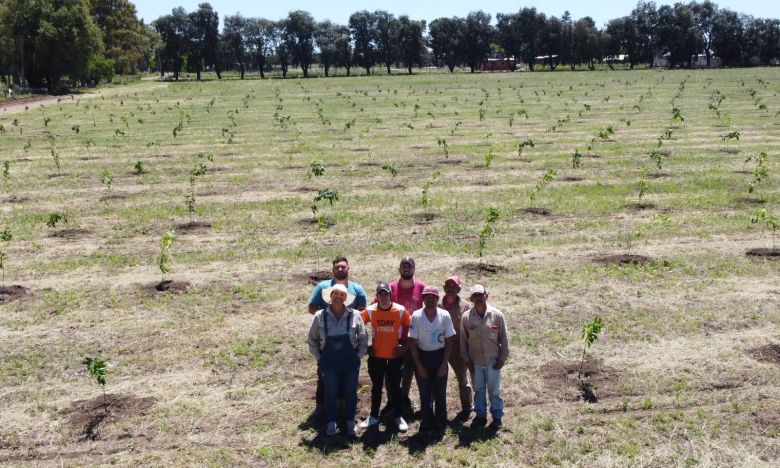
20	105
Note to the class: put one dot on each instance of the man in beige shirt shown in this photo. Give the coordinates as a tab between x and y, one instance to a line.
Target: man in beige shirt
484	346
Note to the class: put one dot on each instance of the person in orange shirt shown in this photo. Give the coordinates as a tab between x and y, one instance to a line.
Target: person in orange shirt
389	328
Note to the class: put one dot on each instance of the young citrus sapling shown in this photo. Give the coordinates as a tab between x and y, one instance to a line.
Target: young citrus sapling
769	220
96	367
163	261
590	333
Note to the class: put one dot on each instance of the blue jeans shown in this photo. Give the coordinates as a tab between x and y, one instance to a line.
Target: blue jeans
487	378
341	382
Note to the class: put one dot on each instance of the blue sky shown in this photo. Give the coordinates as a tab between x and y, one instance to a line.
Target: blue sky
600	10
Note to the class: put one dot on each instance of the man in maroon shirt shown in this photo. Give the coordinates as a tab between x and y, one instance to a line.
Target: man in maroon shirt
407	291
452	303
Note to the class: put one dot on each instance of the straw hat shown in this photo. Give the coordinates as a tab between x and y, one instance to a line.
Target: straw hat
337	287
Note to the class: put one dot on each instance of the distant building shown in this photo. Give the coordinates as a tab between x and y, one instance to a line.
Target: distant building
542	60
700	61
499	64
619	58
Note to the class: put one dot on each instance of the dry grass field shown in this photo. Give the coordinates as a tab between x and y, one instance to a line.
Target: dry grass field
215	371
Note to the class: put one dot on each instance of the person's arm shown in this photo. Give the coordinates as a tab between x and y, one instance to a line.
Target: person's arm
360	298
314	338
403	345
464	340
503	342
315	300
366	317
412	340
449	336
362	337
416	357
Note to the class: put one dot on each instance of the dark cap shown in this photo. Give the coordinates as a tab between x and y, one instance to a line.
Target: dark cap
383	287
430	291
408	260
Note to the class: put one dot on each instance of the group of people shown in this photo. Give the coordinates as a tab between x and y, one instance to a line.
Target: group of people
414	332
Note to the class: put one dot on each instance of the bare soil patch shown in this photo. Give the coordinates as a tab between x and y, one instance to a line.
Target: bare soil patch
69	234
90	415
424	218
594	383
729	150
657	175
449	161
641	206
537	211
623	259
763	252
314	277
12	293
769	353
313	222
419	147
114	196
571	179
749	201
193	226
58	175
168	286
483	268
15	199
591	156
88	158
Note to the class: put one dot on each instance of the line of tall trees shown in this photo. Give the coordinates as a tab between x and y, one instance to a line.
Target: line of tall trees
676	34
192	42
42	41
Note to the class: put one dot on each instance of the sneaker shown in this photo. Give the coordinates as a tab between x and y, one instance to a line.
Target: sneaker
401	424
368	422
331	431
351	428
478	422
495	424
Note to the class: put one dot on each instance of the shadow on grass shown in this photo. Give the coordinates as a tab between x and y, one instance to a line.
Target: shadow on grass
315	420
372	438
467	435
328	444
419	442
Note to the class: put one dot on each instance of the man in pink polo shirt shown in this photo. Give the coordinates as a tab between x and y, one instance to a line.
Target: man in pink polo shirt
407	291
